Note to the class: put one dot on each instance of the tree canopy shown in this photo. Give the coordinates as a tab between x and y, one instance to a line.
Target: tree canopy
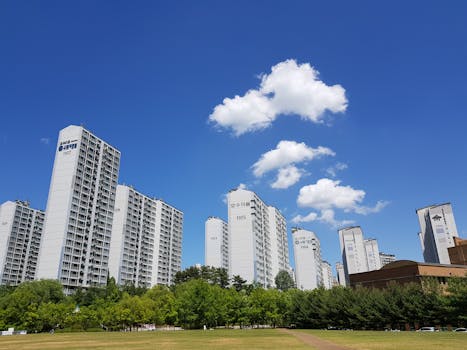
284	281
41	306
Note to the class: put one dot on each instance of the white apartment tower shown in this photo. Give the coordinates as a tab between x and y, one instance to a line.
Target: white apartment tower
340	274
169	224
327	275
353	251
437	232
386	258
252	228
216	248
372	254
78	220
146	240
20	239
279	242
307	253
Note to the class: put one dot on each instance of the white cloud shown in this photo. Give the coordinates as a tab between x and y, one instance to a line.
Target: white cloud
290	88
44	140
308	218
326	216
297	89
332	171
368	210
242	187
250	112
287	177
286	153
327	193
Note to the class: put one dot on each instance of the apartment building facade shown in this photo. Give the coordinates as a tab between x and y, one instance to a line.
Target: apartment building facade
437	232
372	254
216	240
353	251
252	227
146	240
20	237
78	220
308	263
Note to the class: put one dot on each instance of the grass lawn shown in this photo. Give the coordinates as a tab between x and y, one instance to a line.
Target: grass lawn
216	339
368	340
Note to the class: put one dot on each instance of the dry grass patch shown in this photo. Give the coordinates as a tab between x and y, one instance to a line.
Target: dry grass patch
372	340
226	339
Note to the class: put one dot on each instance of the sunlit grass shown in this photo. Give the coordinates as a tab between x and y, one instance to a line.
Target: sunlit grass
368	340
216	339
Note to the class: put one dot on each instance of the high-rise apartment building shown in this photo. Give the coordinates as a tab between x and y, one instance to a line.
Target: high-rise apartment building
307	254
372	254
78	221
279	242
20	238
169	224
216	248
437	232
146	240
353	251
340	274
251	250
328	280
386	258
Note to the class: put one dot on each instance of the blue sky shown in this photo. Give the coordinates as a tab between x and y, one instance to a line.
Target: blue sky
146	77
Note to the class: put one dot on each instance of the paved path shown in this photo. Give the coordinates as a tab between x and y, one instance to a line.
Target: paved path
314	341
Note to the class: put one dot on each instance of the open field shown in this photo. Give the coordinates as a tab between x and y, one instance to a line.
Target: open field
368	340
217	339
235	339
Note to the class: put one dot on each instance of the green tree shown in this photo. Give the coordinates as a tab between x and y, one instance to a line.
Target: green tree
238	283
212	275
284	281
83	318
457	299
198	303
236	305
129	313
21	306
162	306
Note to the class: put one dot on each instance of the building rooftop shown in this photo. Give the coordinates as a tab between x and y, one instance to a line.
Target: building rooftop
404	263
432	206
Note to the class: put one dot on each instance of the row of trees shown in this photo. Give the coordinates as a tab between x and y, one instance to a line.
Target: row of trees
206	300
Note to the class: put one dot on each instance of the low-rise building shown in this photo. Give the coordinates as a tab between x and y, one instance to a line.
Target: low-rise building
458	253
407	271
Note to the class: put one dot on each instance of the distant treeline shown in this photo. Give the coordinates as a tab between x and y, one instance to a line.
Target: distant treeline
205	297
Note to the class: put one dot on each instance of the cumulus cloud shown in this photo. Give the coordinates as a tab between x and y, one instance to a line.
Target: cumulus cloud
332	171
308	218
286	153
369	210
327	216
290	89
250	112
326	195
242	186
287	177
